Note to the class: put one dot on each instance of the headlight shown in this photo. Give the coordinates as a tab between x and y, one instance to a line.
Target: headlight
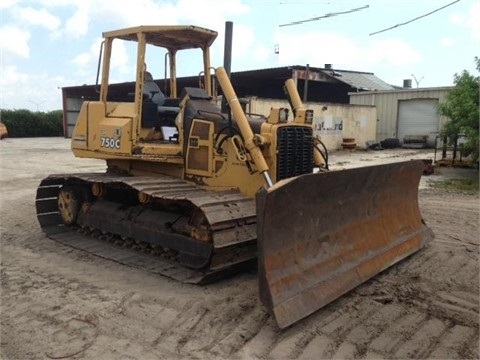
283	115
309	116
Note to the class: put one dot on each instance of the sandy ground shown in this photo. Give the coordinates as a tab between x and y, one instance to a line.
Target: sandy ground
58	302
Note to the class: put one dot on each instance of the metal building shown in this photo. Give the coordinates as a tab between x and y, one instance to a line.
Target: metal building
404	113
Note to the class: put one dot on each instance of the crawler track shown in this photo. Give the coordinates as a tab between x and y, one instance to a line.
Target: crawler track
119	216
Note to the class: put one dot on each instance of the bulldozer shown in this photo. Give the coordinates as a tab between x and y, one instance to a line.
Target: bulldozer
197	193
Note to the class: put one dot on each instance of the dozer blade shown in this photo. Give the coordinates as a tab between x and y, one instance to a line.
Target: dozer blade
320	235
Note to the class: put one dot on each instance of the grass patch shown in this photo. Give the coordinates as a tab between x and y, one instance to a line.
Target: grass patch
469	184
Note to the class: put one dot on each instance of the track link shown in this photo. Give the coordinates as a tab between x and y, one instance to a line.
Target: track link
231	220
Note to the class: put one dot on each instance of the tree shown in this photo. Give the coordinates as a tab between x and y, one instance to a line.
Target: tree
462	109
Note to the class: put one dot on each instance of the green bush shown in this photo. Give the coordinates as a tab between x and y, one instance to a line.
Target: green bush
25	123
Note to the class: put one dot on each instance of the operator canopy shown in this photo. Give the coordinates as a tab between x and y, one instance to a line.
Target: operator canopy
177	37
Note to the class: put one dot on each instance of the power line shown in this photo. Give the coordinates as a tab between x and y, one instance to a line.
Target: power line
325	16
408	22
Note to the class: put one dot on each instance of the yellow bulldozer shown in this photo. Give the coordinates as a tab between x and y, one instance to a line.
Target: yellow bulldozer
196	193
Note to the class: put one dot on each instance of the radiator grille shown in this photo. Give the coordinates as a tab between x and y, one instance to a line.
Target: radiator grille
295	151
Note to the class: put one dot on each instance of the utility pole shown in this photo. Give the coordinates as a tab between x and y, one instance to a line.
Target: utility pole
417	81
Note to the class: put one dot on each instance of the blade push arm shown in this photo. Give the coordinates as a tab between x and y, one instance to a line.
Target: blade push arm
243	125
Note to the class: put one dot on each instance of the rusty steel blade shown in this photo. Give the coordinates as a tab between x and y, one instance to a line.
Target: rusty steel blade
320	235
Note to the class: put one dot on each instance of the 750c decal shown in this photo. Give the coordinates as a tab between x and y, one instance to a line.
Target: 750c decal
109	143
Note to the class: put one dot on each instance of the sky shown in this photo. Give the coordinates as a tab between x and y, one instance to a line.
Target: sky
49	44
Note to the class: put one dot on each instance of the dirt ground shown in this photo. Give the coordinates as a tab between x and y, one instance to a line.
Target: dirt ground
58	302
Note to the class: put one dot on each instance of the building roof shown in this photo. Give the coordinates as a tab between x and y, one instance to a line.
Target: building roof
360	80
324	84
400	90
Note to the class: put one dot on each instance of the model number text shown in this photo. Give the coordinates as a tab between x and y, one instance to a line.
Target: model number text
109	143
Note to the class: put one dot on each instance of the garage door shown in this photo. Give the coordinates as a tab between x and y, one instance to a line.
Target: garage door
418	117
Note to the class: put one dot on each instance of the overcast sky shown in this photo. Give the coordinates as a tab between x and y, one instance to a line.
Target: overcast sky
48	44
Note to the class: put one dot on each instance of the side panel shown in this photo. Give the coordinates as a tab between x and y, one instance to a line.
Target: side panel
110	134
321	235
200	149
80	131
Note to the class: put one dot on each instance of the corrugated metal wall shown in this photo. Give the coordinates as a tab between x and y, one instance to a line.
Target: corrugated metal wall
386	103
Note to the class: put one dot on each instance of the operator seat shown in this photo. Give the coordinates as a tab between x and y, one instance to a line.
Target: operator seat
154	112
152	91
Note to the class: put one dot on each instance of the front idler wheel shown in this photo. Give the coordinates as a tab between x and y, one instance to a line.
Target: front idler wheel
68	205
